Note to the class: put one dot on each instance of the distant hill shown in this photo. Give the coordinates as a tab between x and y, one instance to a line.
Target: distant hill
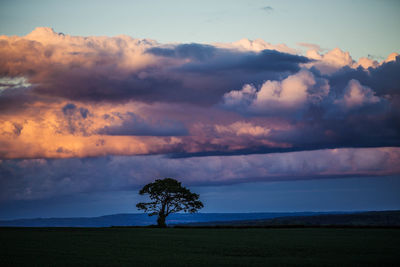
102	221
372	218
144	219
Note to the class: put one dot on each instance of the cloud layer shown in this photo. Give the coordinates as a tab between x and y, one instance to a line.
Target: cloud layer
87	95
75	97
44	178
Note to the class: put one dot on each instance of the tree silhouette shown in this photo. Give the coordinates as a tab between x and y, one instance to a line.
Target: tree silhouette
168	196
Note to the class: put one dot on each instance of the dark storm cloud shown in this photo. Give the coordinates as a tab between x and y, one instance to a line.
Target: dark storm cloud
385	79
353	131
82	85
198	82
16	99
325	111
135	125
225	61
271	60
122	69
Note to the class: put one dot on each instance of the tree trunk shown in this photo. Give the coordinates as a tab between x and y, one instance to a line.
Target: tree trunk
161	220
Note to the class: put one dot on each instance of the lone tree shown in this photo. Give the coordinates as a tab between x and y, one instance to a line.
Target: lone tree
168	196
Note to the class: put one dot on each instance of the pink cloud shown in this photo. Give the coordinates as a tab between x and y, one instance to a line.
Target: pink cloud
290	94
356	95
257	46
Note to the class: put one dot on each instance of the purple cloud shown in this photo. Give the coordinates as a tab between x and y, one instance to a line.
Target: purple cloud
135	125
46	178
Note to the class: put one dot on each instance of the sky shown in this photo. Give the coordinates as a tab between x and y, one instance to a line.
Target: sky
257	105
361	27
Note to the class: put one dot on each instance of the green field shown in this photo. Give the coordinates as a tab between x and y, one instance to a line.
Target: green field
199	247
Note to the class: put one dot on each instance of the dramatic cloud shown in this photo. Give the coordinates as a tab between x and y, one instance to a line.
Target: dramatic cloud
79	130
210	60
122	68
279	97
74	97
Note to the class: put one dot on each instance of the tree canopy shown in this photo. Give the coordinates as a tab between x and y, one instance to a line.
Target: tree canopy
168	196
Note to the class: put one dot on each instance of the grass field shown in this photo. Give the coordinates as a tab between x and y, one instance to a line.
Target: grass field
198	247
